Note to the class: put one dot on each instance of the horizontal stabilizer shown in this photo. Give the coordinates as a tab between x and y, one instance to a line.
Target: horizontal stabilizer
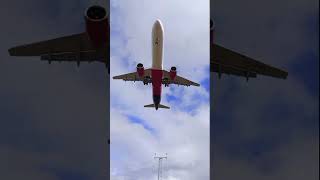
159	106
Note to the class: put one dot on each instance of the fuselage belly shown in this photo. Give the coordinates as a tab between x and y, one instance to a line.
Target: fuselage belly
157	55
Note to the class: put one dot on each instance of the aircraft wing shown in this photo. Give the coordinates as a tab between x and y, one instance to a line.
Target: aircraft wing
134	76
76	47
177	80
225	61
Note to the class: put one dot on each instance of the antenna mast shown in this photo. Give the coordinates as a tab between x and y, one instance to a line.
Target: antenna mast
160	158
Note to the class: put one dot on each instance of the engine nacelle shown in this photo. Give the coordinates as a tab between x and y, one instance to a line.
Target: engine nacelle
173	73
97	25
140	70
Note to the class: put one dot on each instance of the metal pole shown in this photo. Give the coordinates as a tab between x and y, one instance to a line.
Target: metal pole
160	164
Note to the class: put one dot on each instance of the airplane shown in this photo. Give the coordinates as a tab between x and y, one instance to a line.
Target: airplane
225	61
89	46
156	75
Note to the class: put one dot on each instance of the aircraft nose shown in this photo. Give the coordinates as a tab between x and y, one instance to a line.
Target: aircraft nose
157	23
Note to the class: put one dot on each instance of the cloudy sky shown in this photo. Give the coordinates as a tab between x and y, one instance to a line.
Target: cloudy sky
267	128
183	131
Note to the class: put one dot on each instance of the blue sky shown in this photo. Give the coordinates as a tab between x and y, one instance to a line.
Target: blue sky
143	131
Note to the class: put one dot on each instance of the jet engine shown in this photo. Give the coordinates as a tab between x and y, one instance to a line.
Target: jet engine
173	73
140	70
97	25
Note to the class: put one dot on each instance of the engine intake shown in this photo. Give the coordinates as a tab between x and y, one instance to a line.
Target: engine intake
173	73
97	25
96	13
140	70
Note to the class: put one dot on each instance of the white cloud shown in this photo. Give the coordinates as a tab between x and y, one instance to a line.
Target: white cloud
183	135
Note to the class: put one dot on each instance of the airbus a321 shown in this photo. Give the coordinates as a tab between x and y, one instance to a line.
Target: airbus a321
156	75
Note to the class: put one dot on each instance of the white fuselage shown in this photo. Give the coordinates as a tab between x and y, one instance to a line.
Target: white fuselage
157	45
157	54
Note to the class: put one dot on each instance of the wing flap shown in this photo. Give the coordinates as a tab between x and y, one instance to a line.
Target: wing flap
178	80
230	62
134	76
221	69
74	56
